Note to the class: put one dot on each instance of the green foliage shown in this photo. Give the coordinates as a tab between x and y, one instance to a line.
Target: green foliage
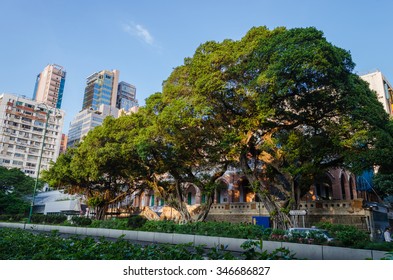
13	203
253	250
48	219
14	186
345	235
17	244
219	253
15	181
380	246
383	182
110	223
12	217
135	222
286	100
225	229
53	247
81	221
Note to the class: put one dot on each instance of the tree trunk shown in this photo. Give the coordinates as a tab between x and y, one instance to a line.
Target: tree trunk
205	208
100	212
279	219
181	206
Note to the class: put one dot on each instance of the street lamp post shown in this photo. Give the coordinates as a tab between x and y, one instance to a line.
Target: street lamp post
48	112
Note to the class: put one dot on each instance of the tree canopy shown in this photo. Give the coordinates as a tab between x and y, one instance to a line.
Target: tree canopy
282	106
14	187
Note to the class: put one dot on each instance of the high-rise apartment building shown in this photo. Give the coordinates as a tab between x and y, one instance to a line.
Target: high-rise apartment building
23	134
101	88
49	86
378	83
126	96
63	143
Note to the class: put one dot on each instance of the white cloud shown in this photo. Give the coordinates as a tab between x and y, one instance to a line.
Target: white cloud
139	31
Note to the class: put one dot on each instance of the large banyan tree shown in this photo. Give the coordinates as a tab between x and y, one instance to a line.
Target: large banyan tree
283	106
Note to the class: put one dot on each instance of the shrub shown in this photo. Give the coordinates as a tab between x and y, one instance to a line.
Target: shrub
253	250
12	217
136	222
110	223
345	235
48	219
81	221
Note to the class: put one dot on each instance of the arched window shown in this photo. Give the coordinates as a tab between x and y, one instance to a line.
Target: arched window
323	187
189	198
351	187
343	196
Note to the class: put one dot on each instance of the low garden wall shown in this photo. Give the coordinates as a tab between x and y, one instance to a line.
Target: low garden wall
302	251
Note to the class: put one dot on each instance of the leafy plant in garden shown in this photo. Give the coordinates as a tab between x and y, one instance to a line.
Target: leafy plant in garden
135	222
16	244
345	235
48	219
81	221
254	251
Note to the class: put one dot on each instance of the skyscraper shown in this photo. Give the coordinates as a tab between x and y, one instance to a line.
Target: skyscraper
104	96
86	120
126	96
101	88
49	86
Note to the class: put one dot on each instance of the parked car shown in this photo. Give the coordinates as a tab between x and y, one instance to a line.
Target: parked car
309	233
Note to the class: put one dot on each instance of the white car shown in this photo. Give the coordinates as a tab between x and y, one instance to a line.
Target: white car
310	233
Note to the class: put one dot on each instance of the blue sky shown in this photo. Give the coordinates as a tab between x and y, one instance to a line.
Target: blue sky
146	39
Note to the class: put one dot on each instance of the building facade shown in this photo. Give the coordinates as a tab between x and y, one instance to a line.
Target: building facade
101	88
378	83
63	143
49	86
86	120
126	96
104	97
23	137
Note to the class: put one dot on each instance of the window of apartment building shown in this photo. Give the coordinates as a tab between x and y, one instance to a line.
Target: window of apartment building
20	147
6	161
30	157
38	123
26	119
17	162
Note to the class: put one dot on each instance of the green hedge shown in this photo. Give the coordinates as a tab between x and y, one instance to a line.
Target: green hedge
224	229
12	217
48	219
